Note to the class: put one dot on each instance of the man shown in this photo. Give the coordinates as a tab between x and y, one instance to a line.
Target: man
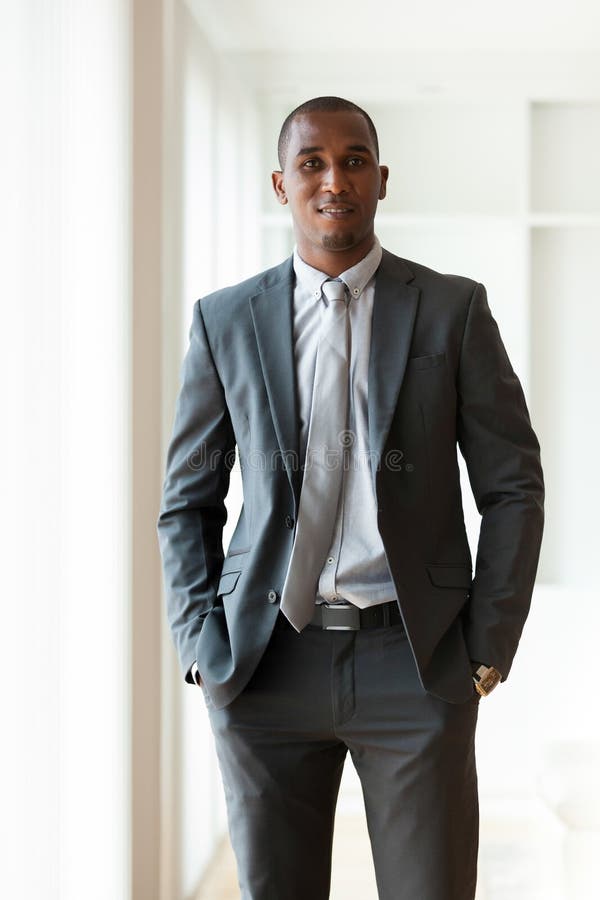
345	615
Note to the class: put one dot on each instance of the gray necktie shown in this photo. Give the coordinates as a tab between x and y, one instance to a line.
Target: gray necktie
321	486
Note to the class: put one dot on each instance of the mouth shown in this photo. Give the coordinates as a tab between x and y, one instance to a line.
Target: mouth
335	211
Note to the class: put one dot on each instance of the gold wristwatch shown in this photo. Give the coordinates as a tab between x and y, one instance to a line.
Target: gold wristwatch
486	678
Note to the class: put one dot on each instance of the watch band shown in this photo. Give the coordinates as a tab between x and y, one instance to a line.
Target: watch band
486	678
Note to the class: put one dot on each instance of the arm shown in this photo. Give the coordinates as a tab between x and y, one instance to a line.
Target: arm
193	513
502	455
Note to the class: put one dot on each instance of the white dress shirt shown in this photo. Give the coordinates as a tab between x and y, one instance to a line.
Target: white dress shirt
356	568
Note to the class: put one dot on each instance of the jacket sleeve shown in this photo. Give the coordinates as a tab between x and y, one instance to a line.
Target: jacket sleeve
192	513
502	455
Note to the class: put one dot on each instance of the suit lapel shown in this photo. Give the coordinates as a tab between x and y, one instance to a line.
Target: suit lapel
272	315
394	312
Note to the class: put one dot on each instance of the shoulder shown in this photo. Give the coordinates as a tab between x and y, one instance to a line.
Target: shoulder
431	282
227	301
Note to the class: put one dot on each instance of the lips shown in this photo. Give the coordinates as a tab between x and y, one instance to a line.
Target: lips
336	210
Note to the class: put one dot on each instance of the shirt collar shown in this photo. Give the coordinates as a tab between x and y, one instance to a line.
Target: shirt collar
357	277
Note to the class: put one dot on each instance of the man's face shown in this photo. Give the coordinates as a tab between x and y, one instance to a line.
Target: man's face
332	182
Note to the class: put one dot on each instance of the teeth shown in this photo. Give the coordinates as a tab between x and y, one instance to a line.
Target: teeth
335	209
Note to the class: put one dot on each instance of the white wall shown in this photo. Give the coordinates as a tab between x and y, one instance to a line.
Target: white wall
64	223
212	241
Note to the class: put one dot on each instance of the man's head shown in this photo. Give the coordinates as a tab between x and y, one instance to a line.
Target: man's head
326	105
331	178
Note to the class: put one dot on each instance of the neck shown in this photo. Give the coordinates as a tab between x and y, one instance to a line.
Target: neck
334	262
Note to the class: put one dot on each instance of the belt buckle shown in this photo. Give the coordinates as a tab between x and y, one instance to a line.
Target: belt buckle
329	617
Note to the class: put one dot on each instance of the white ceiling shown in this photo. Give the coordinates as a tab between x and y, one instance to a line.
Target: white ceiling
452	25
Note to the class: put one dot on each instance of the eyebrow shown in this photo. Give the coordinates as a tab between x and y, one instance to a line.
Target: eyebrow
304	151
354	148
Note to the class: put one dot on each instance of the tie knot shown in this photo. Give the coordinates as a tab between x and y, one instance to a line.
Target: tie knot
334	289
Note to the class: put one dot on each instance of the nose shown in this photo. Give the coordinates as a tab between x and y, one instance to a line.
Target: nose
335	179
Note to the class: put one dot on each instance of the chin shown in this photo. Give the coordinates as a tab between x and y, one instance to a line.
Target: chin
340	241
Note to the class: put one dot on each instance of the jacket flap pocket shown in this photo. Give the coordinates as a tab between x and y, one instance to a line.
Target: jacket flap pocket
235	560
227	582
456	576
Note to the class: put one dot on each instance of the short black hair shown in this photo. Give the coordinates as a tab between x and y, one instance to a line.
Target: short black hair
321	104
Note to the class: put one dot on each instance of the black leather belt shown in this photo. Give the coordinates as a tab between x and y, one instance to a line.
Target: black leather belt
347	617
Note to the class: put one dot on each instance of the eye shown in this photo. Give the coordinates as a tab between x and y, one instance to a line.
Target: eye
311	163
355	161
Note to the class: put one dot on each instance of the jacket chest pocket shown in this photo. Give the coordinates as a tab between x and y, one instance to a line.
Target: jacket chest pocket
422	363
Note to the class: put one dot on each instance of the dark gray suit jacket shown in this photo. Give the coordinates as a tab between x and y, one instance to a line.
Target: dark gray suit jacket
439	377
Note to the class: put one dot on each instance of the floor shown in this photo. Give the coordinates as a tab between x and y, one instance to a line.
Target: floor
514	864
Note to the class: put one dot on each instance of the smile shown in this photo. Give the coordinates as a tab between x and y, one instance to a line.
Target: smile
336	212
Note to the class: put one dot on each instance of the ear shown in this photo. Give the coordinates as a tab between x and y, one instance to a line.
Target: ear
278	187
384	177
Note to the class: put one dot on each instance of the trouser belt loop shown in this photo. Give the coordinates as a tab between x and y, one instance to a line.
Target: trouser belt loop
386	614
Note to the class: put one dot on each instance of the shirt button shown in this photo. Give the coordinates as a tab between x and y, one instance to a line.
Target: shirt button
272	596
289	521
330	560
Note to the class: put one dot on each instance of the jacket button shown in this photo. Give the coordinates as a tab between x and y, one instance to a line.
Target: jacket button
272	596
289	521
